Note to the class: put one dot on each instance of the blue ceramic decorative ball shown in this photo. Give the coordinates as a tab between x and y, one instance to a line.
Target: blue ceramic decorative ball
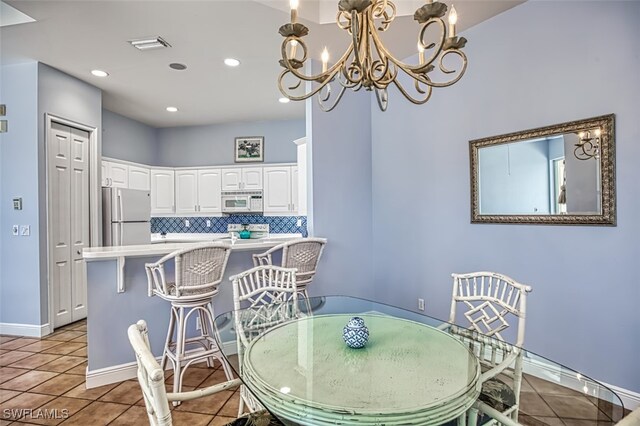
355	333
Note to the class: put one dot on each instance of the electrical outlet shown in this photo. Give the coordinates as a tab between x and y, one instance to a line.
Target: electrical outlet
198	324
186	223
299	223
15	230
208	223
421	304
25	230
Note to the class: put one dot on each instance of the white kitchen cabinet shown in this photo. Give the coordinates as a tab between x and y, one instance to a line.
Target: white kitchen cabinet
162	192
139	178
245	178
279	194
198	191
115	175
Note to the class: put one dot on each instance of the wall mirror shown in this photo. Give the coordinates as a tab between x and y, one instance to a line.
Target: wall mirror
560	174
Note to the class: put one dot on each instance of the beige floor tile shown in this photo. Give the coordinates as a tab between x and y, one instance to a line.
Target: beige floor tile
5	339
582	422
59	384
80	369
221	421
63	408
34	361
65	335
539	421
40	345
574	407
95	414
81	391
217	377
230	409
191	419
6	395
62	364
28	380
81	327
193	376
65	348
13	356
17	343
134	416
8	373
532	404
26	401
80	339
207	405
80	352
125	393
6	422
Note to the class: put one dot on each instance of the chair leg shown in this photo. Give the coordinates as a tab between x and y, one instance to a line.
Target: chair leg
213	345
241	405
167	342
180	347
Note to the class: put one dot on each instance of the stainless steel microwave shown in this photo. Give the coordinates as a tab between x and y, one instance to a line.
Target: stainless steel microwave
246	202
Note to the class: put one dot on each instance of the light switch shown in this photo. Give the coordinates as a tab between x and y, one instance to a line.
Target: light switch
25	230
17	203
299	223
208	223
186	223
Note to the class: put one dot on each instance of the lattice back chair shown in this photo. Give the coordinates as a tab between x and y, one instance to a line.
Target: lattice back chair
151	379
491	299
263	297
302	254
198	273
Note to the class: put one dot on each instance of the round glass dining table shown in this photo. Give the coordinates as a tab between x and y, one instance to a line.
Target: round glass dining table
413	369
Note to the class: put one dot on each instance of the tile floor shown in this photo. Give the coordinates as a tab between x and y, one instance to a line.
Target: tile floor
49	373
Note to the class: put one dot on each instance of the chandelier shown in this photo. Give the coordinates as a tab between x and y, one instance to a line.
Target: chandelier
367	63
588	146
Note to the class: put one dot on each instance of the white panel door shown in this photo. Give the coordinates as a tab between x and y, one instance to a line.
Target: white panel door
79	218
139	178
252	178
209	191
231	179
277	190
162	192
118	174
186	191
294	190
58	152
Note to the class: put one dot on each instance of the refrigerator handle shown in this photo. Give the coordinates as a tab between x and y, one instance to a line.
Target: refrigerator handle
120	210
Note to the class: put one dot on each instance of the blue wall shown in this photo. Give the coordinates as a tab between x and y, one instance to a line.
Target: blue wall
522	75
213	145
19	258
127	139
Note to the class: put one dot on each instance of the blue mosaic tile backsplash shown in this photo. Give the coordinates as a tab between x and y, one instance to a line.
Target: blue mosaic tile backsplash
277	224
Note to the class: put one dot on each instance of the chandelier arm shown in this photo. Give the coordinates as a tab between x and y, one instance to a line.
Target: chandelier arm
411	98
303	96
323	76
334	104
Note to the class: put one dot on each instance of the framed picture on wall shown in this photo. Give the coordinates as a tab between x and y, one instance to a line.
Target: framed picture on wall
249	149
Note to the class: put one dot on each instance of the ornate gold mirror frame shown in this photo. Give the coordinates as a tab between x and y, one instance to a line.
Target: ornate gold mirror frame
605	155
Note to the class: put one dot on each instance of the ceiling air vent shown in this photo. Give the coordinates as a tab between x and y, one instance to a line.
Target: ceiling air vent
149	43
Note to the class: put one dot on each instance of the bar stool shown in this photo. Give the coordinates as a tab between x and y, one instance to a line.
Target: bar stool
198	271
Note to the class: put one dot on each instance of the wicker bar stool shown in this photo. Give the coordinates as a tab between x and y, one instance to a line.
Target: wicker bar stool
198	271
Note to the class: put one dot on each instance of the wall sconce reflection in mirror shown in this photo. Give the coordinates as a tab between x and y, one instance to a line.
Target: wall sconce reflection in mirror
539	176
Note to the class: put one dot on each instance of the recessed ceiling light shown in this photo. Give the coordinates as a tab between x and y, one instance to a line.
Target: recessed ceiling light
284	100
231	62
172	109
99	73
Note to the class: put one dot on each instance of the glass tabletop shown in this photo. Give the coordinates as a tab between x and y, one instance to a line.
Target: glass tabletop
344	360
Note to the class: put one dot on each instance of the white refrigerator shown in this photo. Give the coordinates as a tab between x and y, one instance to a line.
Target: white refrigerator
126	215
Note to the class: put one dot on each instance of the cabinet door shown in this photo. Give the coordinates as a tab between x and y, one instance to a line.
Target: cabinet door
277	190
162	192
252	178
186	191
139	178
209	191
294	190
118	174
231	179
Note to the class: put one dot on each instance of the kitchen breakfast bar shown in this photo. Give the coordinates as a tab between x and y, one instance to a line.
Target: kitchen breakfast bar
117	296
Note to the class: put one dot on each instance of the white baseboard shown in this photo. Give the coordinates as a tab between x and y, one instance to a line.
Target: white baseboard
561	376
122	372
25	330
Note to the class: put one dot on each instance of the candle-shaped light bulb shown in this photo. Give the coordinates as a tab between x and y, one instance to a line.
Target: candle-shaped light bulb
325	59
420	53
598	132
294	10
294	47
453	18
581	135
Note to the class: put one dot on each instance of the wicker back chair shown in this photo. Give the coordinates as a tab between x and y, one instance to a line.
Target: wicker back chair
198	272
263	297
490	299
302	254
151	379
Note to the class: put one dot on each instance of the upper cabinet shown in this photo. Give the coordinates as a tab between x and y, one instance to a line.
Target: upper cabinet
280	190
139	178
162	192
245	178
198	191
115	175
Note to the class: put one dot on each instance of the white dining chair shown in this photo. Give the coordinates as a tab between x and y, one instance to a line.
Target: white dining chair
490	300
198	272
151	379
263	297
302	254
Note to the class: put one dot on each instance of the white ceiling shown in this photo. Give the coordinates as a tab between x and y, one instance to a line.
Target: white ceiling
78	36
